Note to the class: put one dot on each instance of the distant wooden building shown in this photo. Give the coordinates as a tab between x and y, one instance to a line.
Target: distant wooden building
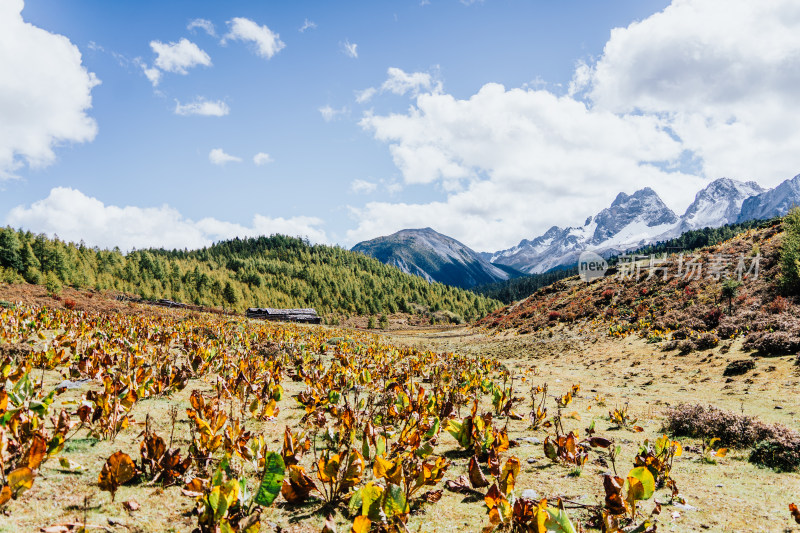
307	316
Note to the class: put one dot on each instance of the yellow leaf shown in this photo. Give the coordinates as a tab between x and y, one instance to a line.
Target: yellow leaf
361	525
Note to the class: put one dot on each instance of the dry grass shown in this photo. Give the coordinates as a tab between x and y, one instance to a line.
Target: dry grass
612	373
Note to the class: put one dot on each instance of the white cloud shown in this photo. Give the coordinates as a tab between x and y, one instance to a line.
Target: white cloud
45	93
514	162
703	89
151	73
329	113
350	49
723	73
365	95
308	25
74	217
267	42
219	157
359	186
180	56
262	158
203	107
203	24
400	82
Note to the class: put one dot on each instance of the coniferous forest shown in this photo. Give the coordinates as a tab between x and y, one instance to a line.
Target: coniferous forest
276	271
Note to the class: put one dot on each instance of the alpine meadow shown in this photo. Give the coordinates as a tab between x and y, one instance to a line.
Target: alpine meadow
428	266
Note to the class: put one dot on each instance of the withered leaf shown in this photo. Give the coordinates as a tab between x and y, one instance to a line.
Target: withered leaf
118	470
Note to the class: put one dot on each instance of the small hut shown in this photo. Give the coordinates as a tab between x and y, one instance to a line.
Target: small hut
307	315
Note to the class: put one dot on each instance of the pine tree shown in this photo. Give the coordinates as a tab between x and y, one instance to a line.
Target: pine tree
229	294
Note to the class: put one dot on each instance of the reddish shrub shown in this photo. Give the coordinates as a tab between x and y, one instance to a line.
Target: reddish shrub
712	317
69	303
607	294
553	315
778	305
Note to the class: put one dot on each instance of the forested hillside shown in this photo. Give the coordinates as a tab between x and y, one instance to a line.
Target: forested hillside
275	271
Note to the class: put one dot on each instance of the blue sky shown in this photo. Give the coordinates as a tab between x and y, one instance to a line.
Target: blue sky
489	121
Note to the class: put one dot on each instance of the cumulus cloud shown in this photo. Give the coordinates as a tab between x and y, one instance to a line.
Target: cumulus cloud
704	84
203	24
75	216
179	57
350	49
219	157
45	93
401	82
513	162
176	57
360	186
308	25
203	107
724	73
267	43
262	158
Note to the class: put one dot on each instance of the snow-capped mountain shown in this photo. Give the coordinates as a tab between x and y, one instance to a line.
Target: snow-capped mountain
719	203
433	256
630	222
772	203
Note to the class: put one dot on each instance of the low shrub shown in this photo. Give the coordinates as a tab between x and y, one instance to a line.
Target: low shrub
69	303
778	305
774	445
707	341
553	315
773	343
780	454
686	346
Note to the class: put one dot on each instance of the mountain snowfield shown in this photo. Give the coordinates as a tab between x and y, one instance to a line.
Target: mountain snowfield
632	221
642	218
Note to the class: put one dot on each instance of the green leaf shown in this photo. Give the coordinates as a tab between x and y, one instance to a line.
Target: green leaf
274	471
354	505
641	484
394	501
434	429
424	451
371	496
218	476
558	521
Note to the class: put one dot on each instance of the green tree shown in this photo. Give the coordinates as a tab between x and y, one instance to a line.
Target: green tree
790	253
229	294
729	289
10	248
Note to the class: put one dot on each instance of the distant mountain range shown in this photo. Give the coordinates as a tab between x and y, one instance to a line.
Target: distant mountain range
435	257
632	221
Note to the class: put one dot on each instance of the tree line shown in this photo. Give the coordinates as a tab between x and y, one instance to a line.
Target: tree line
275	271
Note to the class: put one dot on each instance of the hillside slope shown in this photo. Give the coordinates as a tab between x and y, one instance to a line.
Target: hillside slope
685	312
433	256
274	271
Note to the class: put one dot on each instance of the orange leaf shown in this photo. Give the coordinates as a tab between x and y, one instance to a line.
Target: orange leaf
118	470
361	525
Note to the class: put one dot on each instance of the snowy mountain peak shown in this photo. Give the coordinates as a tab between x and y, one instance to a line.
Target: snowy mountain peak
717	204
642	207
772	203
